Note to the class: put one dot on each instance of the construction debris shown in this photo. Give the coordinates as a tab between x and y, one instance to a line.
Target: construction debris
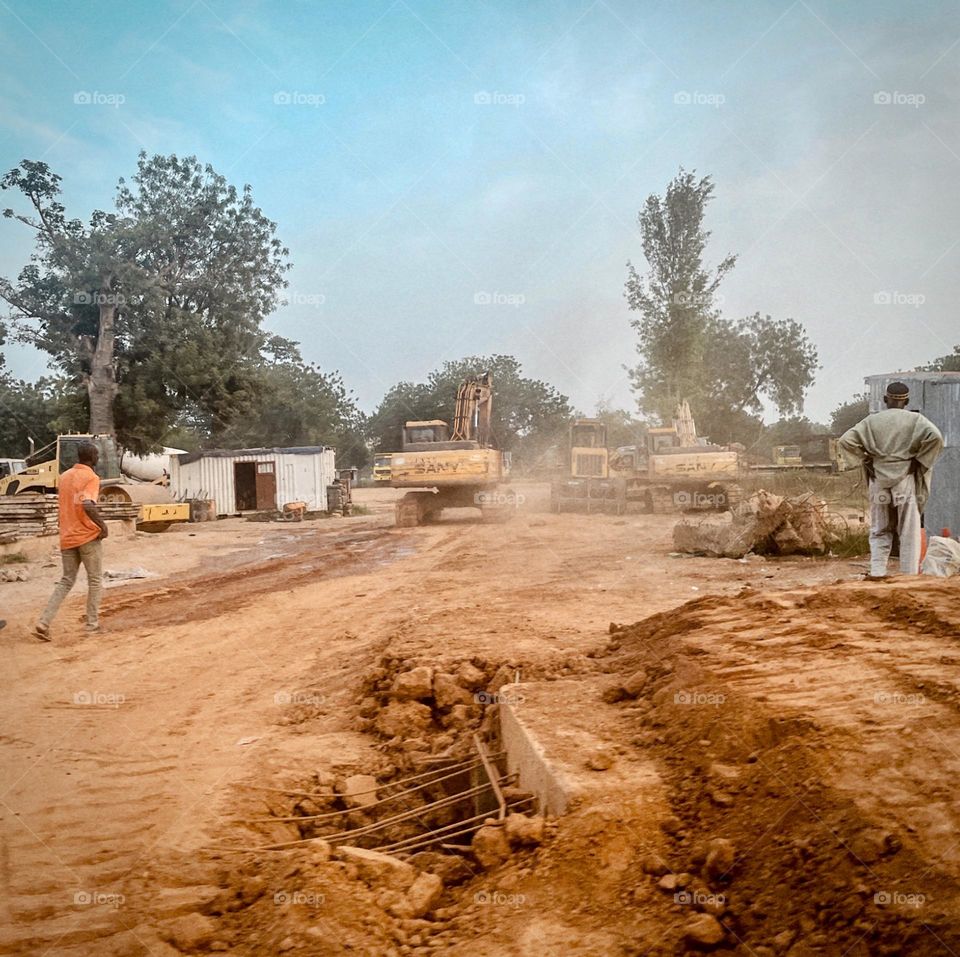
766	524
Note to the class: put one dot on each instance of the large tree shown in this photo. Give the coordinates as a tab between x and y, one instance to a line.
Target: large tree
848	414
726	369
155	306
529	416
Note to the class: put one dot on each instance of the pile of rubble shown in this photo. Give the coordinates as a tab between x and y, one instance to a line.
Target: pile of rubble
765	524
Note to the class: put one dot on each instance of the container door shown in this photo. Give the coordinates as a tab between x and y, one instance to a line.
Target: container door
266	486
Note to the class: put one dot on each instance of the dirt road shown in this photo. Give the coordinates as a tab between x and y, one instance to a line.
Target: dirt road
128	758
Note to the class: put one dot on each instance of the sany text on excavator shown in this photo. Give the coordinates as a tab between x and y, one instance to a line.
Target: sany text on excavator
448	467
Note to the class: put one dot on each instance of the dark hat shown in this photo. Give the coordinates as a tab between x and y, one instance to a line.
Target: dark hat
898	390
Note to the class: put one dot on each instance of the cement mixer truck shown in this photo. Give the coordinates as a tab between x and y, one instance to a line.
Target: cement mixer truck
123	478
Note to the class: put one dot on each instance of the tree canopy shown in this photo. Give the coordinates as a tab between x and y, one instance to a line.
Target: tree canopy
154	307
725	368
529	416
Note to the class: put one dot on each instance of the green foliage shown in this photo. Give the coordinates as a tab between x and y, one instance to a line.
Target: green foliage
724	368
623	428
950	363
848	414
169	291
529	416
300	405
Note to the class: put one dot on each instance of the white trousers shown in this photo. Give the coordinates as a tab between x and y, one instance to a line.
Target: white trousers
892	509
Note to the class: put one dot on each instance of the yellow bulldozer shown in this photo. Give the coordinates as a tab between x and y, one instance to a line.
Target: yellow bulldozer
449	467
674	471
44	467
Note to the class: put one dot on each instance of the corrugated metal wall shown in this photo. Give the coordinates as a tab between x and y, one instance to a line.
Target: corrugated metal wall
937	396
300	478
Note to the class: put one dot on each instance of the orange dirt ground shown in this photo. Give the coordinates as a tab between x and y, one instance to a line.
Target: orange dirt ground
780	743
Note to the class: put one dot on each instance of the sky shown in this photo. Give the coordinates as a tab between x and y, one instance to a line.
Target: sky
457	178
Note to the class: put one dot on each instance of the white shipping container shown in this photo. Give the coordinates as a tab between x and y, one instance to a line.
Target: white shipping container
246	480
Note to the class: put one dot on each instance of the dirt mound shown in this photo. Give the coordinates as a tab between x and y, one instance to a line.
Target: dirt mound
801	814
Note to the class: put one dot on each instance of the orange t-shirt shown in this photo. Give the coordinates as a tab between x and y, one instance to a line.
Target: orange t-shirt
77	485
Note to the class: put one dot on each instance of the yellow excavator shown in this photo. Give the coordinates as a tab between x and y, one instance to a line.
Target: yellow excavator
43	468
674	471
449	467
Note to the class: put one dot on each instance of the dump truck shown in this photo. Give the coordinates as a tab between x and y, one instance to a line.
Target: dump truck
447	466
675	470
44	467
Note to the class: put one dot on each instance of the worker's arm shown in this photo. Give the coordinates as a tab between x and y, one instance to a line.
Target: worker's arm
90	507
851	445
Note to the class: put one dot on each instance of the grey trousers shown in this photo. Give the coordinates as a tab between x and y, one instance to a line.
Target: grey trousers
90	556
895	508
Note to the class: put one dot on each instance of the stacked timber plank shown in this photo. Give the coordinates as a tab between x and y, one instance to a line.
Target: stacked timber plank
24	515
118	511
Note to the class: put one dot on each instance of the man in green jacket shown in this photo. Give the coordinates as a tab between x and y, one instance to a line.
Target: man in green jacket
897	450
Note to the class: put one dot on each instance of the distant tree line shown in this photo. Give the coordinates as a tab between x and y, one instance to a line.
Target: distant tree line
152	317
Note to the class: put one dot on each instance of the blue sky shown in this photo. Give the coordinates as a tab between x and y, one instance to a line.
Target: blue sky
456	178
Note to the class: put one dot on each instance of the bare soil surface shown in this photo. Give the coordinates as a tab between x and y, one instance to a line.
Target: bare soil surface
804	720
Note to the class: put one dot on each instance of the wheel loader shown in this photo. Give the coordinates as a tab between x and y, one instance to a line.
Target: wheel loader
43	468
449	466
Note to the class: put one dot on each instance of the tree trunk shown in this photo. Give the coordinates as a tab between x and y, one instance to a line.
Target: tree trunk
102	384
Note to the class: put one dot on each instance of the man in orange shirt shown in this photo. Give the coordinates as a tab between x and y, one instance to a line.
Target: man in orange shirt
81	531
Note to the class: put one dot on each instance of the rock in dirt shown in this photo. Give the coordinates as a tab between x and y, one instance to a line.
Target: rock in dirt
470	676
634	685
601	759
413	685
191	932
721	855
655	865
447	692
459	717
523	830
767	524
424	894
703	930
380	869
403	719
450	868
359	790
490	847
